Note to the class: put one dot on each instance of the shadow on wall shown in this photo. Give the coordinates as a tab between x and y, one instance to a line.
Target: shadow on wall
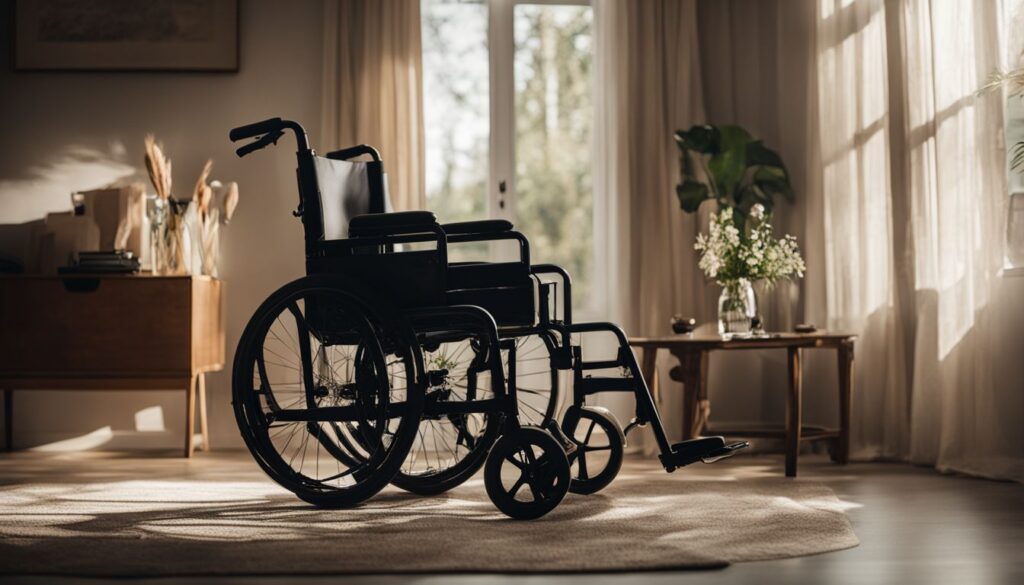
29	193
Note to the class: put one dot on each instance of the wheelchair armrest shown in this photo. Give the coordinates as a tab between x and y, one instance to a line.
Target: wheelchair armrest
376	224
485	226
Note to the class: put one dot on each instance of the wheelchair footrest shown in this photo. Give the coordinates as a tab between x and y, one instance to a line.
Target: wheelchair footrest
706	449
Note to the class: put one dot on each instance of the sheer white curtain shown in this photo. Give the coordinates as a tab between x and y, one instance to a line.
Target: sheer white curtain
967	410
373	88
913	201
857	216
648	80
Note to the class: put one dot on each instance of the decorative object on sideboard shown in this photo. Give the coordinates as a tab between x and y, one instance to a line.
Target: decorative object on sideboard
118	212
185	234
727	165
103	262
167	238
111	218
213	204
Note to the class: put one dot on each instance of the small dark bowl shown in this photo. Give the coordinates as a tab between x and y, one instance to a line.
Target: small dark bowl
683	325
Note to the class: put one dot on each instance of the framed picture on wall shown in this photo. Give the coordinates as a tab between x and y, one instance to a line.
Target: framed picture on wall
126	35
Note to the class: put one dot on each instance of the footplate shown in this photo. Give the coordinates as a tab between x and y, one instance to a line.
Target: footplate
706	449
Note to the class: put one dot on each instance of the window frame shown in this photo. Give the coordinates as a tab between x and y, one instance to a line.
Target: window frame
501	183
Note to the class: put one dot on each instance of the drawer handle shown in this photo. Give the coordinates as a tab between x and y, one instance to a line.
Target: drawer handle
81	285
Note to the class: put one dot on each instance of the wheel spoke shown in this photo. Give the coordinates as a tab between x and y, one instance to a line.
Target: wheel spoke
581	461
517	485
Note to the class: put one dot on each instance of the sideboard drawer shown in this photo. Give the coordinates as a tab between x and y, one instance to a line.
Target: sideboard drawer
82	325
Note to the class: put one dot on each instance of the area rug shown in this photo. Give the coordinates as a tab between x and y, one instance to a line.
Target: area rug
227	519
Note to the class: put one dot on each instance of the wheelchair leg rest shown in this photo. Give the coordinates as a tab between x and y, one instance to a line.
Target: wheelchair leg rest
706	449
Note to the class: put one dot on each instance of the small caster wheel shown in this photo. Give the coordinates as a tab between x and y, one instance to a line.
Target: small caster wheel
527	473
599	446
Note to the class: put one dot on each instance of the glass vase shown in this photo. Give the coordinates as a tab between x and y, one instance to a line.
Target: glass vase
737	308
169	240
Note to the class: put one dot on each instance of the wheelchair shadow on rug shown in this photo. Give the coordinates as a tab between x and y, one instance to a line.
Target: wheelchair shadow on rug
648	521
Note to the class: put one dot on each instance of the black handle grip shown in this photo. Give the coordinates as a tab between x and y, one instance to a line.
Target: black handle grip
255	129
244	150
261	142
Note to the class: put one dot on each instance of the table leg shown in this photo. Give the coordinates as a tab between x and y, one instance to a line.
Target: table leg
203	428
844	355
793	400
694	376
9	420
648	369
190	415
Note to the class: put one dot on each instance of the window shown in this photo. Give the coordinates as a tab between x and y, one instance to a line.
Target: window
508	112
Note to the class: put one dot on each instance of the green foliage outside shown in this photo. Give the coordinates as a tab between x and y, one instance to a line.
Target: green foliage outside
554	118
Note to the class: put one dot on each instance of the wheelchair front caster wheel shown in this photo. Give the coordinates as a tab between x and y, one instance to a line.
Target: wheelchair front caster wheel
527	473
599	446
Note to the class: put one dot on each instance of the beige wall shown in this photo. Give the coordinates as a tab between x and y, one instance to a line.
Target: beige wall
69	131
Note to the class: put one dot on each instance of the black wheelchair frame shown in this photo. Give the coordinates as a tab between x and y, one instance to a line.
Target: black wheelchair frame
424	309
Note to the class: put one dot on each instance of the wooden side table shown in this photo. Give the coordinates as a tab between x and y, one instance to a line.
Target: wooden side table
111	333
693	350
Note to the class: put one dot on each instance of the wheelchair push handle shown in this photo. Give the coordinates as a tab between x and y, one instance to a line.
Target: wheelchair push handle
255	129
266	133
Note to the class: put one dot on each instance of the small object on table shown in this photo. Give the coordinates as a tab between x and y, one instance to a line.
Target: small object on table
683	325
757	327
805	328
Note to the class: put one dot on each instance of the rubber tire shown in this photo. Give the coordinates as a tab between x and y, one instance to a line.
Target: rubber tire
510	443
616	445
380	477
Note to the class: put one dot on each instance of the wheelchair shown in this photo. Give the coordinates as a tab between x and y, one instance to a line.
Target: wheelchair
387	363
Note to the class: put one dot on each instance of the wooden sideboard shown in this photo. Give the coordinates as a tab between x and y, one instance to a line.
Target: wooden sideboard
111	333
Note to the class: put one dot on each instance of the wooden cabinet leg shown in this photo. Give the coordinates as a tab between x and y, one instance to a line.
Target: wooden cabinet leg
845	358
793	400
203	428
190	415
9	420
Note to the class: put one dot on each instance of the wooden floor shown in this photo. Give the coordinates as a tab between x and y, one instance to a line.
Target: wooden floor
915	526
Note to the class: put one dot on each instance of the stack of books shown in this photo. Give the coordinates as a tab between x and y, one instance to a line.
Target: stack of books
108	262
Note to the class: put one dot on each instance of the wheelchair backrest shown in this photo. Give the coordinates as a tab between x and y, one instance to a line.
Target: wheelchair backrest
349	188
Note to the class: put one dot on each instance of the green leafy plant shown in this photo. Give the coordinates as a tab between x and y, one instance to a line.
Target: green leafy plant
728	165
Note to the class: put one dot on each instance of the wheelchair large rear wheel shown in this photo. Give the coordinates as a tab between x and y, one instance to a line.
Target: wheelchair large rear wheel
537	380
450	447
326	392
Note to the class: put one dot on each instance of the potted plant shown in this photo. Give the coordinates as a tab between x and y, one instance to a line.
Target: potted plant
727	165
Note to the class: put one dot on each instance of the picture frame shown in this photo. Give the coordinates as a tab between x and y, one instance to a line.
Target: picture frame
114	35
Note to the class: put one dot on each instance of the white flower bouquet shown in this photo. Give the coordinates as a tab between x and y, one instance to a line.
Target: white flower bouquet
736	259
728	256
